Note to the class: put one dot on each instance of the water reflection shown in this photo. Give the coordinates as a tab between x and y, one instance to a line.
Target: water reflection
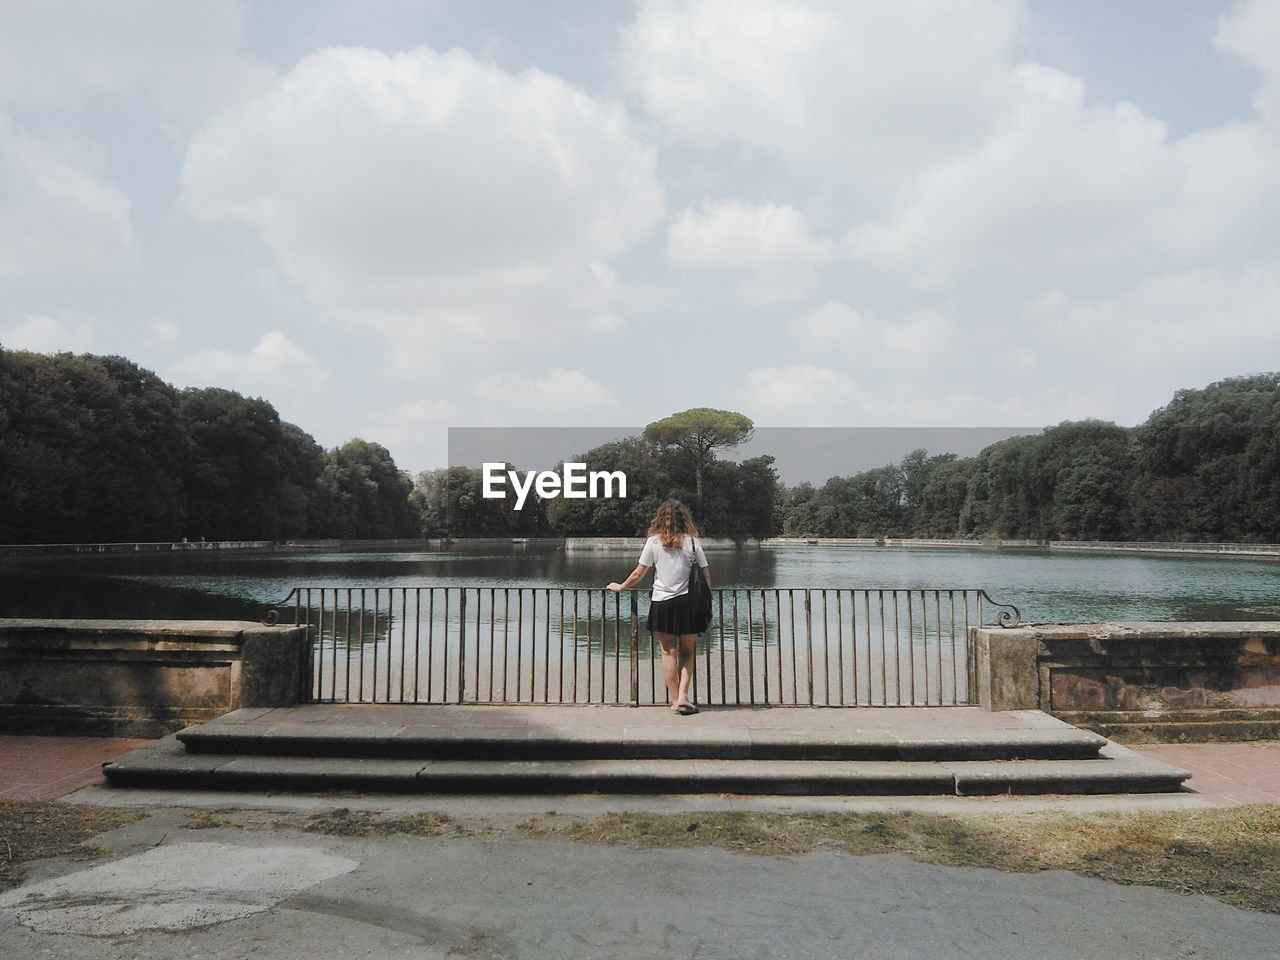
1047	587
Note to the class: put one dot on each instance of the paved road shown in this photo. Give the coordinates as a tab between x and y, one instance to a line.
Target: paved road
223	894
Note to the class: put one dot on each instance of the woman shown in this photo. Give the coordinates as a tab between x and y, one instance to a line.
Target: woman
671	550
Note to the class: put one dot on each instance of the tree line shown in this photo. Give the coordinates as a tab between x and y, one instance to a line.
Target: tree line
97	449
1205	467
675	457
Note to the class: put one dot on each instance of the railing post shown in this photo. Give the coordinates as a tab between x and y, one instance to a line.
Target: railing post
462	643
635	649
306	668
808	640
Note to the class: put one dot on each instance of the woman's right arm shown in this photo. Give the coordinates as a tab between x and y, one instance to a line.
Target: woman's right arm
635	577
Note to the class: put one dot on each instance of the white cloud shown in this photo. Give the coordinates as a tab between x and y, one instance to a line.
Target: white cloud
770	242
834	324
1061	183
166	331
911	341
918	336
416	432
1186	328
980	162
516	399
273	364
431	196
55	213
42	334
804	395
863	89
181	56
1062	357
1249	30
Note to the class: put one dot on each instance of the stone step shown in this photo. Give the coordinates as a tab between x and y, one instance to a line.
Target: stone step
166	763
1180	726
1210	731
624	743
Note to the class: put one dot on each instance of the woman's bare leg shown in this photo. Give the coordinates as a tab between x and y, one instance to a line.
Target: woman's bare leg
684	669
677	666
670	666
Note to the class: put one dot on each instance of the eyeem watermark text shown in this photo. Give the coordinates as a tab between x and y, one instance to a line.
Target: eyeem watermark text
576	483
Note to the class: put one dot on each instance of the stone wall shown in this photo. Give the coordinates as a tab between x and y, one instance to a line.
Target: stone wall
636	543
1160	681
141	678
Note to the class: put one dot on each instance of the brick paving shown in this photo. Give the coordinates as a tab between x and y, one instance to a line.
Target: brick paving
46	768
1225	774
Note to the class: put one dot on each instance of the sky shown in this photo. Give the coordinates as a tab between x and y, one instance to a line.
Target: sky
390	218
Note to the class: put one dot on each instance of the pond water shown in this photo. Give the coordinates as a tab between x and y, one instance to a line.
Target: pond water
1045	586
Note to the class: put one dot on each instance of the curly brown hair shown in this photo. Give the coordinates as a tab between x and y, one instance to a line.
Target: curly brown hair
671	522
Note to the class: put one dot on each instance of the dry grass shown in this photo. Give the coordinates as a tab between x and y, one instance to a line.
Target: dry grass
347	823
206	820
1232	854
38	829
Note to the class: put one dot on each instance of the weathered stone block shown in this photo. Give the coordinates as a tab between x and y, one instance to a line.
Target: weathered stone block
1156	669
141	677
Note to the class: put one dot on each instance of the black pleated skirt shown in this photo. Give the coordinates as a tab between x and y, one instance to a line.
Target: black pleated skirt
677	616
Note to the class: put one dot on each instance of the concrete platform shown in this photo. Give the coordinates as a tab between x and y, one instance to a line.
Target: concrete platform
561	750
718	739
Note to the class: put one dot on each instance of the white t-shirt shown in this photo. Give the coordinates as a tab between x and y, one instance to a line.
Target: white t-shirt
670	566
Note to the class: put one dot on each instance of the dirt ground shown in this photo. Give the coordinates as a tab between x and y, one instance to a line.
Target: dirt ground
215	884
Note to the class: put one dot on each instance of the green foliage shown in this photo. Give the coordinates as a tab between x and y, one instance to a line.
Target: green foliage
96	449
1206	467
647	483
698	433
1069	483
1210	464
80	433
743	499
237	480
700	430
754	501
364	495
450	504
938	497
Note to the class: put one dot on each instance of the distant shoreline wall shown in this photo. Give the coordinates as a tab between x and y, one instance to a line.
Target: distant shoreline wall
1255	550
637	543
19	550
1155	548
1197	549
64	549
1053	546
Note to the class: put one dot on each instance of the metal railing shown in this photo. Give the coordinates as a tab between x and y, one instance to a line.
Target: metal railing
554	645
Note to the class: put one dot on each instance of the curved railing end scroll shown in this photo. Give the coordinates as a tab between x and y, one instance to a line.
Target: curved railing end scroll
1008	616
272	617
